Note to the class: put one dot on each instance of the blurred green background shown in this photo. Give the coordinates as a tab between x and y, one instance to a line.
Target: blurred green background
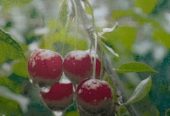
143	35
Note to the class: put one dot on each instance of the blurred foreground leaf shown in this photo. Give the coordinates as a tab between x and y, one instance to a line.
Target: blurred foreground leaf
9	48
20	68
21	100
12	85
9	107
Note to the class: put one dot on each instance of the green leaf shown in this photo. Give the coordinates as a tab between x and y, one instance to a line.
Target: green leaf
162	37
20	68
13	86
64	45
123	38
167	113
135	16
9	48
7	4
140	91
108	48
9	107
163	5
118	14
135	67
72	114
21	100
147	6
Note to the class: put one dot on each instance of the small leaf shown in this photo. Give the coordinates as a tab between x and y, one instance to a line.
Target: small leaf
9	48
108	48
135	67
141	91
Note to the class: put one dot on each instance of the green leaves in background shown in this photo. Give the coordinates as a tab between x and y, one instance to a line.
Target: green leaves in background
9	107
63	42
9	48
7	4
12	85
21	100
12	88
147	6
135	16
135	67
162	5
162	37
122	38
20	68
140	91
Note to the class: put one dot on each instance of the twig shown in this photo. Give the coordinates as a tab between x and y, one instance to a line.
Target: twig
90	29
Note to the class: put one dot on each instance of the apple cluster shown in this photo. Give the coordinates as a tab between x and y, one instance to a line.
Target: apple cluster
92	94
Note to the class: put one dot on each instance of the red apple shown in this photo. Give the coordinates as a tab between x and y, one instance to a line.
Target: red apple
59	96
77	66
94	95
45	66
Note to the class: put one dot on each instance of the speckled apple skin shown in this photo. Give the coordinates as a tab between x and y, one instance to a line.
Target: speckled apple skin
94	95
78	66
45	66
59	96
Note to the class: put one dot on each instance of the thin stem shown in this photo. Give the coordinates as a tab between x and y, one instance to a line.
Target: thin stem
95	52
90	29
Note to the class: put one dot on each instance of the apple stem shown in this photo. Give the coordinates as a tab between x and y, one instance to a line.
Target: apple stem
95	52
